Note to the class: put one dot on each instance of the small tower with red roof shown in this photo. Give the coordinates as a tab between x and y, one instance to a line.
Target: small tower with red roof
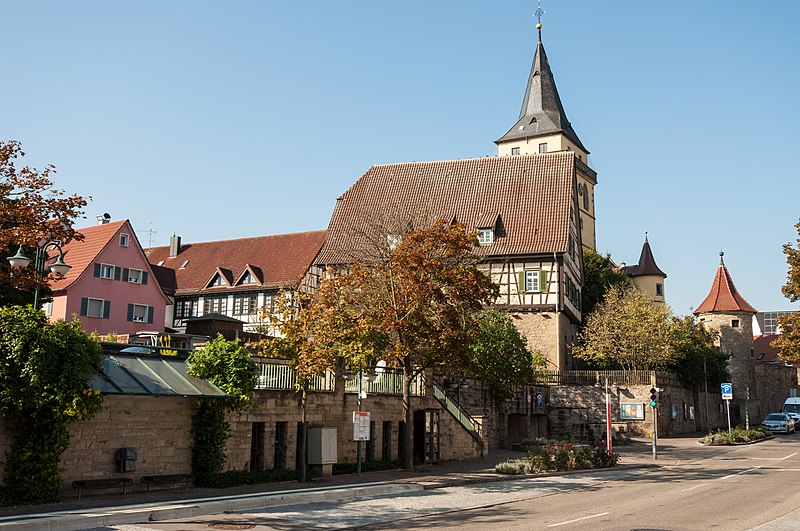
726	311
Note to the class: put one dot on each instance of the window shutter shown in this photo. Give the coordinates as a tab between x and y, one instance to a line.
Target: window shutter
116	273
144	277
125	274
106	309
130	312
150	312
543	281
84	305
97	270
521	282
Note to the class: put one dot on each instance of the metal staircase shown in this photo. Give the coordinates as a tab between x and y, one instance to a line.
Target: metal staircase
472	426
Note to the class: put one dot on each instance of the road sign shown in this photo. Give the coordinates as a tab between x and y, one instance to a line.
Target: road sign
727	391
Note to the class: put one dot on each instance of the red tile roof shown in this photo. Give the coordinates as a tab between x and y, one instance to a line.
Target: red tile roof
530	195
723	296
279	261
81	254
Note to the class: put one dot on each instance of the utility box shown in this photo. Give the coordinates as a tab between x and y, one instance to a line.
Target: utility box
126	459
322	450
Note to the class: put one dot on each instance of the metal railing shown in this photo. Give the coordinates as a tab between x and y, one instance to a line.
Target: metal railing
592	377
278	375
455	409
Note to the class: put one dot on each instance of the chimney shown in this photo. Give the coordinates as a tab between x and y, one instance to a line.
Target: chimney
103	218
174	246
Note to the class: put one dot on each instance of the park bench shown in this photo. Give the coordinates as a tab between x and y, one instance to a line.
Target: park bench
105	483
167	479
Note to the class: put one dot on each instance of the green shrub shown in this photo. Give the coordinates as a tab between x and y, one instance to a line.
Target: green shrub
736	435
514	467
559	457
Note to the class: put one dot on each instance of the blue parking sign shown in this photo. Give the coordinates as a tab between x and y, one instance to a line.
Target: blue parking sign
727	391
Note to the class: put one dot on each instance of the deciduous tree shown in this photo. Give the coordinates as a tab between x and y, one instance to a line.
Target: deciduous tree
416	309
599	275
500	355
31	210
788	342
698	358
628	331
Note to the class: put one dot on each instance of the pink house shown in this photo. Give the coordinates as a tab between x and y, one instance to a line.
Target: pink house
111	287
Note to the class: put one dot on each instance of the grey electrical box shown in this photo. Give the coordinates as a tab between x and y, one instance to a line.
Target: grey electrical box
322	446
126	459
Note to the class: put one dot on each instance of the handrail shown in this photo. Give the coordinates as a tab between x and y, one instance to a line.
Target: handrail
455	409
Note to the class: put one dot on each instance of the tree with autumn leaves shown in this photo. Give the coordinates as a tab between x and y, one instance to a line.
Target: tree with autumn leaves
416	309
788	342
32	210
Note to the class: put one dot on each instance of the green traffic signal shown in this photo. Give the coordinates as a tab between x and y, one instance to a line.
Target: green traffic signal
653	403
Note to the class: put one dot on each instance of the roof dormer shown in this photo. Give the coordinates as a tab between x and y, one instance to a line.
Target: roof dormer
222	278
251	276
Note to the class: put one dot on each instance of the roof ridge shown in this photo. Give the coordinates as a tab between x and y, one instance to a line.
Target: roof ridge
243	238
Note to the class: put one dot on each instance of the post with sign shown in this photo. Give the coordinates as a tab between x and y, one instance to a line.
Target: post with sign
727	396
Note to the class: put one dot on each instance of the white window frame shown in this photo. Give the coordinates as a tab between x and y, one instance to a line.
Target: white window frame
532	281
139	318
485	236
543	147
135	280
107	271
89	302
515	151
124	240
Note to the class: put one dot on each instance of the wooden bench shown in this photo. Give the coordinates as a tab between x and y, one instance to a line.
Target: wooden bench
167	479
105	483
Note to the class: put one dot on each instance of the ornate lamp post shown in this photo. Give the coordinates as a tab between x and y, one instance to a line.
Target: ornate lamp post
20	261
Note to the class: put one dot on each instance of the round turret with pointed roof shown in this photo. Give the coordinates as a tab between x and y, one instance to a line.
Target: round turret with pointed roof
723	297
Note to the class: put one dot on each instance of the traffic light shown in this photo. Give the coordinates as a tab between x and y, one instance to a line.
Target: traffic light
653	397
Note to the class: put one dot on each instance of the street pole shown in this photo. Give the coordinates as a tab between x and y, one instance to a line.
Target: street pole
747	408
728	408
608	420
358	443
705	384
655	434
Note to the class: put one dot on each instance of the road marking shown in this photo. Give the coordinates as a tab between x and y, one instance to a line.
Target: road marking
577	520
695	487
740	473
790	455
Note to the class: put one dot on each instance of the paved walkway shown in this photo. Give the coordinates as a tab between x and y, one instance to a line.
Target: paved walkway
637	453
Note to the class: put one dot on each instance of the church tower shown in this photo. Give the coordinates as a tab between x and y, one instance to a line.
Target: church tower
543	127
726	311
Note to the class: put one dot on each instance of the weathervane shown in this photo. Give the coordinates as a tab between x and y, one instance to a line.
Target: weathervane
538	14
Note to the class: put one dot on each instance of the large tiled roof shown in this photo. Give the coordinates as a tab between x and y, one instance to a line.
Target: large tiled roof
81	254
280	261
723	296
529	196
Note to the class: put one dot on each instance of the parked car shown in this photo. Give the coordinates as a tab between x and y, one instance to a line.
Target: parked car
779	423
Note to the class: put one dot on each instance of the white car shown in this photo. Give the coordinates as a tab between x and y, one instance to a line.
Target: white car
778	422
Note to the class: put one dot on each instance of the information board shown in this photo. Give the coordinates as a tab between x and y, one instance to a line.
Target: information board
361	425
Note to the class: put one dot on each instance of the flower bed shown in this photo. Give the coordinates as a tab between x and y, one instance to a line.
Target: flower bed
558	457
737	435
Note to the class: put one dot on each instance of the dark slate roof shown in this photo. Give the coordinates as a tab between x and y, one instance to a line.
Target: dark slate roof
213	317
647	264
279	261
528	196
723	296
542	113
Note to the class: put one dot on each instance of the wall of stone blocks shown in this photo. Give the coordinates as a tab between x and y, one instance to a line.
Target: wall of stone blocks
774	383
159	428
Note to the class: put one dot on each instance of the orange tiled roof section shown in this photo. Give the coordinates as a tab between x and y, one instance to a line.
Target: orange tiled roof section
81	254
723	296
281	259
532	194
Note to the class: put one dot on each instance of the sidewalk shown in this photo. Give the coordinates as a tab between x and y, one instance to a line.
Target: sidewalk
637	453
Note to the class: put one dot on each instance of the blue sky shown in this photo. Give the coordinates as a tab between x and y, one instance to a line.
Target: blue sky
218	120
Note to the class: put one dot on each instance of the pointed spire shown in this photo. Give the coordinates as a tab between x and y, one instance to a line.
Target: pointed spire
723	296
647	263
542	112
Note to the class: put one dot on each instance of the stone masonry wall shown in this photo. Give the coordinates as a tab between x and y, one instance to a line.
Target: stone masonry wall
774	383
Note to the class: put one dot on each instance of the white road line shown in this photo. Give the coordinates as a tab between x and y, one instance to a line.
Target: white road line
577	520
740	473
790	455
696	487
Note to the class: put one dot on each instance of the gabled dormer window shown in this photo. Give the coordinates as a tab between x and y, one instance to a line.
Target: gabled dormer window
485	236
393	240
247	278
217	281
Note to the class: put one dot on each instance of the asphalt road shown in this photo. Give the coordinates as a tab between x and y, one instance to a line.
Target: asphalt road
744	487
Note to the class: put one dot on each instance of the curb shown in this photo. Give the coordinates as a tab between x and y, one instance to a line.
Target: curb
132	514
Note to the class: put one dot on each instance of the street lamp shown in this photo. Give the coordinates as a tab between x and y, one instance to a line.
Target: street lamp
59	267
